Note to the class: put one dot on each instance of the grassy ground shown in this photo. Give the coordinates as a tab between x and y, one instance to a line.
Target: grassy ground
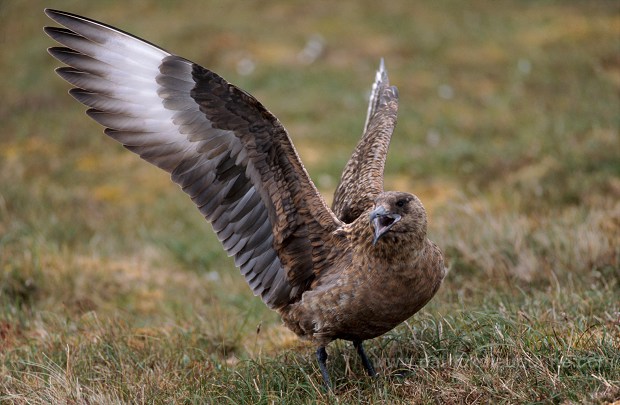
113	288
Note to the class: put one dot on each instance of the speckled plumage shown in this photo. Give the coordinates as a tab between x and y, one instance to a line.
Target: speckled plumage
351	272
378	286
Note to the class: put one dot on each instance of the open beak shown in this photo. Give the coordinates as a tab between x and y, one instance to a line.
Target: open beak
382	220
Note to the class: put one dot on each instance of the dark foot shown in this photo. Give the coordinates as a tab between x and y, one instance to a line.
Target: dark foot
367	364
321	356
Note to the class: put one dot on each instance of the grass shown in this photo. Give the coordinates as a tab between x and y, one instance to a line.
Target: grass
114	289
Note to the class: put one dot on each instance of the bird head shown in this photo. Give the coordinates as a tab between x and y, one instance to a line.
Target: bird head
398	213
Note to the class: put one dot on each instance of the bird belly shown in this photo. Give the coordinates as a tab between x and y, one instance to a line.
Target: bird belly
359	313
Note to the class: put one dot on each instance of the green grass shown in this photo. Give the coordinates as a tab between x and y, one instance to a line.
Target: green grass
114	289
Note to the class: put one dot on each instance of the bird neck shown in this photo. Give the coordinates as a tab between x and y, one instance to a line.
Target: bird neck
392	247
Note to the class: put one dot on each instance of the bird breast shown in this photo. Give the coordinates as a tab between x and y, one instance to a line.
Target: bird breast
367	299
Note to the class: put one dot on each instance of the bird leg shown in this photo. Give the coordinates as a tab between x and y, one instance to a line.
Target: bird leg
367	364
321	356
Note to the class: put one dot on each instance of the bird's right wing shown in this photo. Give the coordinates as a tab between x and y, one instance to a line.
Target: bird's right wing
362	178
227	152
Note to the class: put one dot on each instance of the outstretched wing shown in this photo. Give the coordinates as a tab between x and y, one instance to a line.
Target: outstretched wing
362	178
231	155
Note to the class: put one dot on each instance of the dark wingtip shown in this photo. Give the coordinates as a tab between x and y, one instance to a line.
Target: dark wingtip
54	14
57	32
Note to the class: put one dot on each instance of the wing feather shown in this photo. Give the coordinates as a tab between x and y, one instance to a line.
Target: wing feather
226	151
362	178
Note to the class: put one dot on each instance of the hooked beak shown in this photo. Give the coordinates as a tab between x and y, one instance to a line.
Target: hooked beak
382	220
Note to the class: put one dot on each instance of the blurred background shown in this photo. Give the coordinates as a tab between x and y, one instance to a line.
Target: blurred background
508	131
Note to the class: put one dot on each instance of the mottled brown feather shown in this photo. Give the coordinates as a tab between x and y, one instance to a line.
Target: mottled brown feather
379	286
362	177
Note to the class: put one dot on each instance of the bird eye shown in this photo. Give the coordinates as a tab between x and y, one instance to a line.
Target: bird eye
400	203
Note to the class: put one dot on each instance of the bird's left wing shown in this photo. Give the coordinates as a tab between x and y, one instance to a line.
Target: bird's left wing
227	152
362	177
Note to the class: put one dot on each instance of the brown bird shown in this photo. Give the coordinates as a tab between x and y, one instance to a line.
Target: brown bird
352	273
